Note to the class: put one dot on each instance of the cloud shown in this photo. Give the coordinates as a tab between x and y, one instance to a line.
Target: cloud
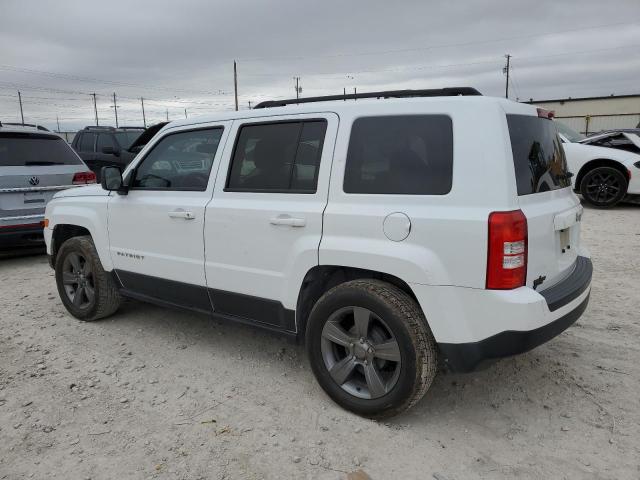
180	54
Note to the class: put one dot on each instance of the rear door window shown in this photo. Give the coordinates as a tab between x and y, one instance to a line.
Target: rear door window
32	149
277	157
538	157
87	142
403	155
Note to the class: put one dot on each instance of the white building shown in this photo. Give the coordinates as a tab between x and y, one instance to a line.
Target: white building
593	114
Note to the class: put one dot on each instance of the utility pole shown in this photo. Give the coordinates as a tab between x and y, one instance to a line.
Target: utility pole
20	100
235	82
506	71
115	108
298	90
185	113
167	114
95	107
144	119
58	122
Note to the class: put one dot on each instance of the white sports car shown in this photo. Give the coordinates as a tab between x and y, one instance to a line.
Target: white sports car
603	175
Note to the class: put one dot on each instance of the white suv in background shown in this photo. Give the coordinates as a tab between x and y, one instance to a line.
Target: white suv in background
384	230
34	164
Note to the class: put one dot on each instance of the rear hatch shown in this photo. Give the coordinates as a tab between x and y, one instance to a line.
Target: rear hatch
545	197
33	167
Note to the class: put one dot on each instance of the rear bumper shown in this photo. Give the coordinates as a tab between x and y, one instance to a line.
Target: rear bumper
492	324
21	235
466	357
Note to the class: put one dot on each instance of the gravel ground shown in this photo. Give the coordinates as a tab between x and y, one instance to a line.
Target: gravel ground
157	393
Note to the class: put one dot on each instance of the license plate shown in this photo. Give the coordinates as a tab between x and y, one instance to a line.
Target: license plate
565	239
34	198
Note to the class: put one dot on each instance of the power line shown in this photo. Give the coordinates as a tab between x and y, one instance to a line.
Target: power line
97	80
204	105
446	45
340	74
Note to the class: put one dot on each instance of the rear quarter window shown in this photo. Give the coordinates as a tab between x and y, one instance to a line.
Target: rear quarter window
32	149
538	157
402	155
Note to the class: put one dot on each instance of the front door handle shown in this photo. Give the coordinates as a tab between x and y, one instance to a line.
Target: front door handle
182	214
288	220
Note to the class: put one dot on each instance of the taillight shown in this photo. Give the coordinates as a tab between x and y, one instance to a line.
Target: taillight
82	178
507	254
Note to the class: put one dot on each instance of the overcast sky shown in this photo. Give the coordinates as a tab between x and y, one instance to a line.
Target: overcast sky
180	54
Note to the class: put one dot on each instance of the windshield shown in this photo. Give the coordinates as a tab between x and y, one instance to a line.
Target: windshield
569	133
32	149
126	138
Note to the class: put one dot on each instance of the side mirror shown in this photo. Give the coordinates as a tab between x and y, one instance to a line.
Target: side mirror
111	179
111	151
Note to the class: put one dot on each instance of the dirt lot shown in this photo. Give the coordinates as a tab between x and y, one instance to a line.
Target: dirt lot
156	393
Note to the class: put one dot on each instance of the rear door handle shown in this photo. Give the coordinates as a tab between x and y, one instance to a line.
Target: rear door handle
287	220
182	214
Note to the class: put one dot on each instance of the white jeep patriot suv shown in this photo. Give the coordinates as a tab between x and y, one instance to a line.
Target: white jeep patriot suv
385	230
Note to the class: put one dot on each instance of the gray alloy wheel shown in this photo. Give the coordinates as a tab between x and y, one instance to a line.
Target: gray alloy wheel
370	347
77	278
86	290
360	352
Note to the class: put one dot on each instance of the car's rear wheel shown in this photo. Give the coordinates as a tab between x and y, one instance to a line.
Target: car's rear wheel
370	348
603	186
86	290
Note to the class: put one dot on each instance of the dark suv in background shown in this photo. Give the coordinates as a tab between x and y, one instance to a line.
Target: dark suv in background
106	146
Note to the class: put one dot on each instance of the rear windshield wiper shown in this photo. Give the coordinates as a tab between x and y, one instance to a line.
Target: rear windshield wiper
40	163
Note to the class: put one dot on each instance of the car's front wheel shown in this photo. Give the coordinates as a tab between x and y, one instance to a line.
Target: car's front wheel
86	290
370	348
603	186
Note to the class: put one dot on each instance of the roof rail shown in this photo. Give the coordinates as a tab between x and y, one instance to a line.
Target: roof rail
33	125
109	128
436	92
99	127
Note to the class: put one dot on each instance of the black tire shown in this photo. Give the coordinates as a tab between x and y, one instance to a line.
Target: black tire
406	326
104	299
603	187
